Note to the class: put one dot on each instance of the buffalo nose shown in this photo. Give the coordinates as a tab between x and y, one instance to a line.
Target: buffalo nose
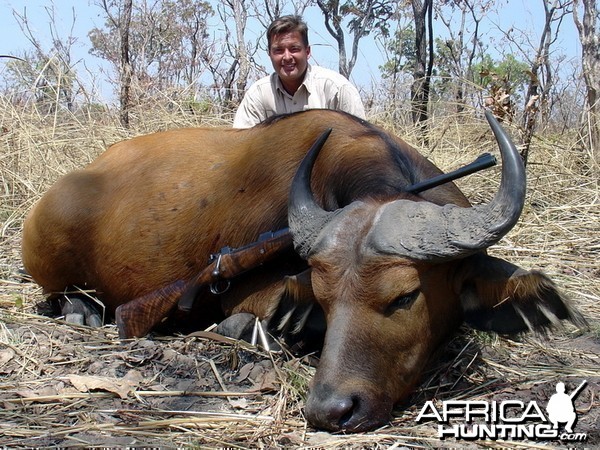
338	412
334	411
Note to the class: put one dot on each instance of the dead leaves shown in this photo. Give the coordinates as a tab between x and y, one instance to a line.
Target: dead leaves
261	374
78	385
122	387
5	356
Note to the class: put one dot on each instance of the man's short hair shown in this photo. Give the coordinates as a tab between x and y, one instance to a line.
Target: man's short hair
287	24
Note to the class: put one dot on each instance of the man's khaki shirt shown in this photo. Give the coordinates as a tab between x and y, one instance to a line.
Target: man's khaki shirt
321	88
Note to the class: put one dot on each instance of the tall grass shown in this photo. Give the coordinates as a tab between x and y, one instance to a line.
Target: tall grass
558	232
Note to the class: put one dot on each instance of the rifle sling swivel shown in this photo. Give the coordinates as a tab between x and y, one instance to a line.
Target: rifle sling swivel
219	286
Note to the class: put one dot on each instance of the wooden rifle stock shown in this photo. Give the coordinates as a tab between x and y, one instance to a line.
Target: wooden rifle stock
137	317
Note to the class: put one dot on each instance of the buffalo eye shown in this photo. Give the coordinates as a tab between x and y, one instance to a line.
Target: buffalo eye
402	302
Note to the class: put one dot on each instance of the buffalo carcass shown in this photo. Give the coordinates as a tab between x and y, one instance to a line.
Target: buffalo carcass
393	274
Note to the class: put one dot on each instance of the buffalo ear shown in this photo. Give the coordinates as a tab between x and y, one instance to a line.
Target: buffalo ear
502	297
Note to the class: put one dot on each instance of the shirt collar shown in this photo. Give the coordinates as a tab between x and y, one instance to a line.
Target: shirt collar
306	82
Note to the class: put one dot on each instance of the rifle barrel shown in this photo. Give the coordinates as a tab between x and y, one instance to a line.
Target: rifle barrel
483	161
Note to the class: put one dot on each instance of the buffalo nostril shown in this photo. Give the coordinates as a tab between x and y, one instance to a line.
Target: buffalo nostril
335	410
340	411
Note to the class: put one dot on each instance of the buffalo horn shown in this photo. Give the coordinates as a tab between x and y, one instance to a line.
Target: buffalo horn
305	216
426	231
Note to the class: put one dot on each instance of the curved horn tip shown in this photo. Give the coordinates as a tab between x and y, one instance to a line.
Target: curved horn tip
504	140
305	215
511	195
300	188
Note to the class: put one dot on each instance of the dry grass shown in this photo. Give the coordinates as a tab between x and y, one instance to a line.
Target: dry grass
62	385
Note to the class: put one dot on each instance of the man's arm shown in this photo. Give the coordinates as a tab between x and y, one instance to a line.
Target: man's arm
247	114
349	100
252	109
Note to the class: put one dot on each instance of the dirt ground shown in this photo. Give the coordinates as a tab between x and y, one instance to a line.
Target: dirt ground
69	386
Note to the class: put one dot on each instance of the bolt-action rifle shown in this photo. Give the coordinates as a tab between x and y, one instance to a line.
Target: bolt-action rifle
137	317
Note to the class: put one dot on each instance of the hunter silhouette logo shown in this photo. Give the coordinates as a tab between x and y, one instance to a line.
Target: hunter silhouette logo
560	407
507	419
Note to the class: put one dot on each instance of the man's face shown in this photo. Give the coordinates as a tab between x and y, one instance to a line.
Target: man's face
289	57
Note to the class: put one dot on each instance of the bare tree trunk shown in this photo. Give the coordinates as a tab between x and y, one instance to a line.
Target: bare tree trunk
240	15
589	34
235	52
423	63
541	81
462	57
333	24
126	70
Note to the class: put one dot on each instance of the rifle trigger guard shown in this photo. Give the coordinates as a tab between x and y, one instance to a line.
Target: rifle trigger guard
219	286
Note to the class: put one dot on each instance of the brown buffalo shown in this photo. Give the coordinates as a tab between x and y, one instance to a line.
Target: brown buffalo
393	274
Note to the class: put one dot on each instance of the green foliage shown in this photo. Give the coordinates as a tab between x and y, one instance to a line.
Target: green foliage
510	74
446	54
447	70
18	302
402	51
203	106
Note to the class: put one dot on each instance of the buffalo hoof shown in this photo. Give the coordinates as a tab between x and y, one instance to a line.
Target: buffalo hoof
247	327
238	326
79	311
